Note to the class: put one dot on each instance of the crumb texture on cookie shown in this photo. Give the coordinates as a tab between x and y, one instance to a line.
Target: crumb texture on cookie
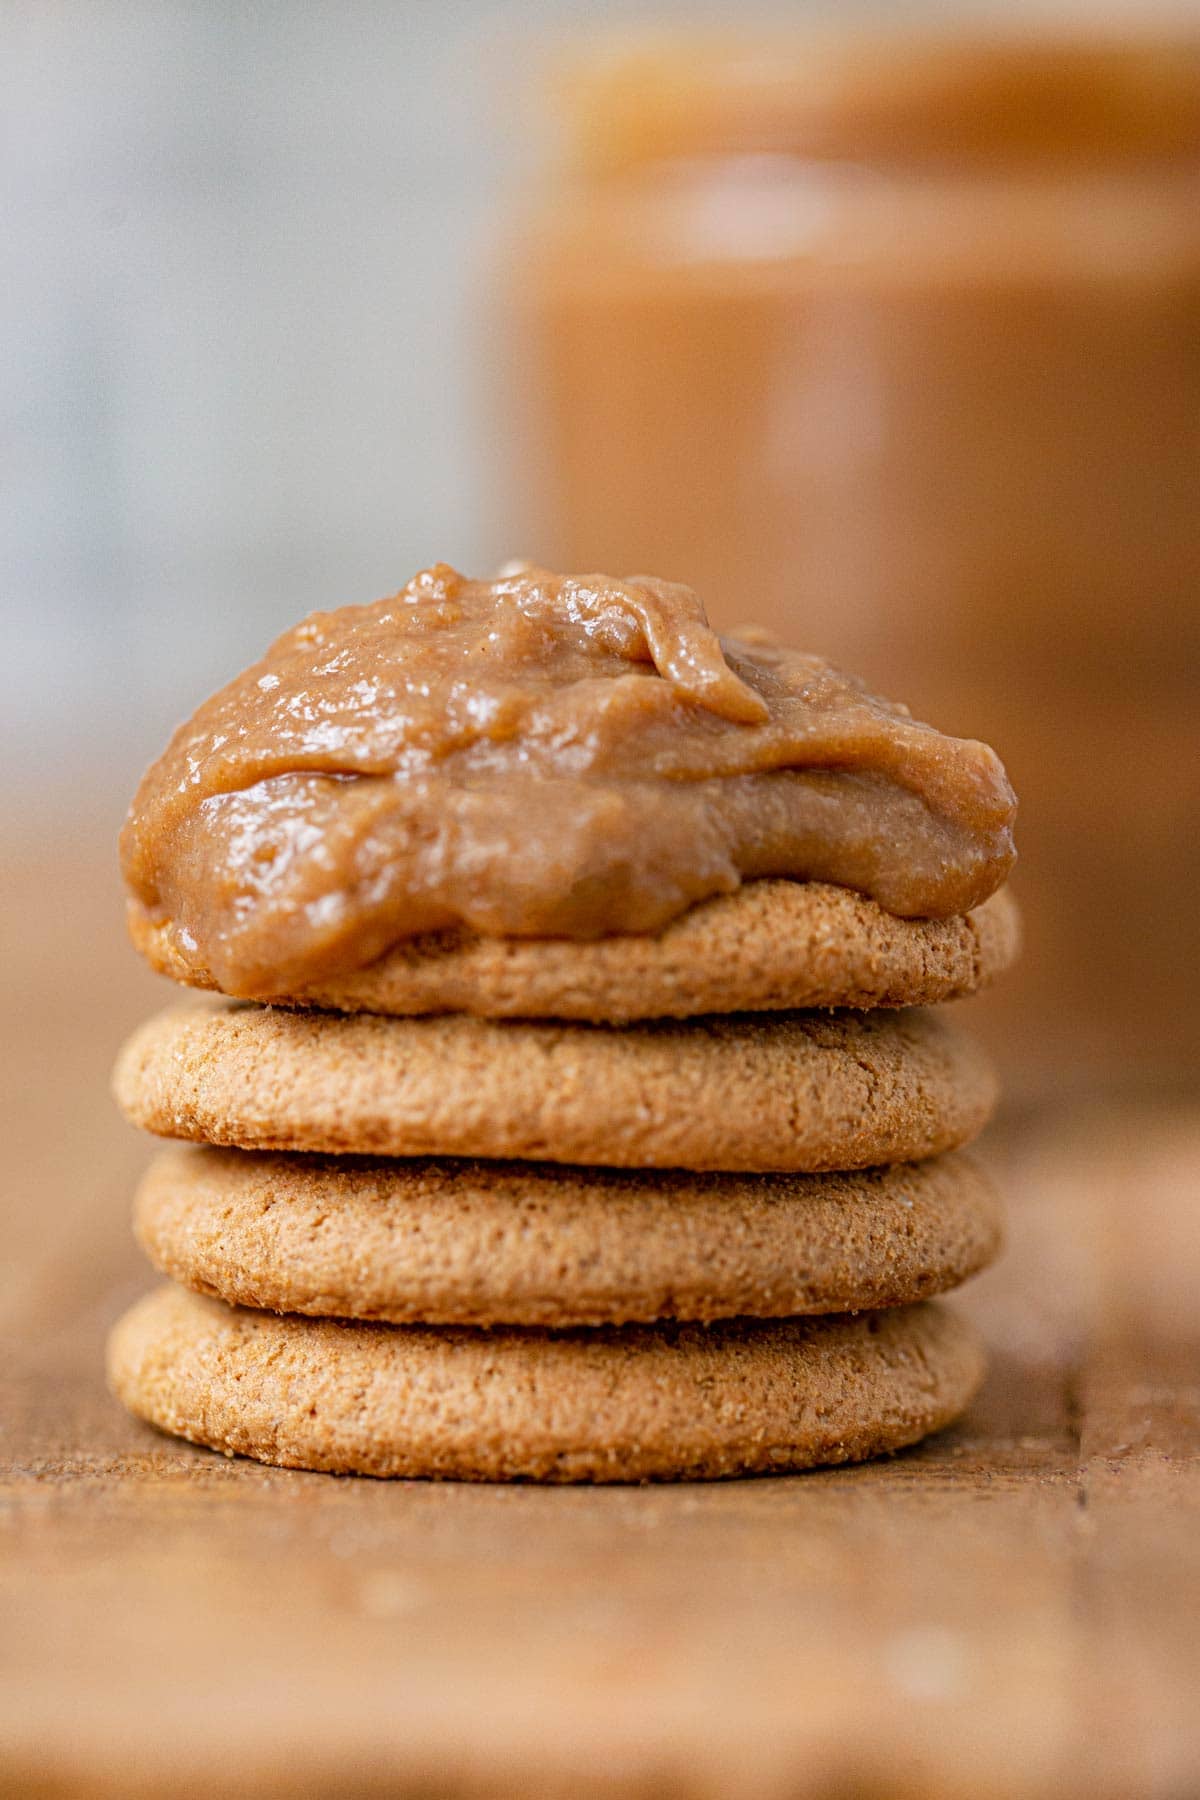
771	946
789	1091
632	1403
445	1242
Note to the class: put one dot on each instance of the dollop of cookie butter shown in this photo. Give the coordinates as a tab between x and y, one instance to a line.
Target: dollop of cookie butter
539	755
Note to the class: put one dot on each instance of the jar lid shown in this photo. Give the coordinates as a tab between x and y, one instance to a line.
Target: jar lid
634	100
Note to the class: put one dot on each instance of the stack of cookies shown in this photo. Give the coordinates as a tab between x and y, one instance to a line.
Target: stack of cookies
655	1205
576	1109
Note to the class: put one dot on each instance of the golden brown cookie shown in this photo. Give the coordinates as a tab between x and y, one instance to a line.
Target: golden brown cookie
781	1091
771	946
621	1403
469	1243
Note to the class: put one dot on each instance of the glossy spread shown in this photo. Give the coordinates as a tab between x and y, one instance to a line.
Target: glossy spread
540	755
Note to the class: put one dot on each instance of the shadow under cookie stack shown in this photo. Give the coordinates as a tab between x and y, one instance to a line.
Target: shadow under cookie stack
627	1172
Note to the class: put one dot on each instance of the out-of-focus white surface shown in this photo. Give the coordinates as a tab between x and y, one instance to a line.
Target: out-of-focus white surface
243	361
239	242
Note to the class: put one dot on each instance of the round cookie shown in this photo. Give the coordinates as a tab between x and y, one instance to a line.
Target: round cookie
770	946
789	1091
526	1244
621	1403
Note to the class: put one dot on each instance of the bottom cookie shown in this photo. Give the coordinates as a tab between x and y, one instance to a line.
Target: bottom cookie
620	1403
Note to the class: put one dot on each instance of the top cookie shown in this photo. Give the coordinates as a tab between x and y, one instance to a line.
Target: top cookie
771	946
541	757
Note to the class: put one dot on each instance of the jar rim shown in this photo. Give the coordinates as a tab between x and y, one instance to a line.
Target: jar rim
632	99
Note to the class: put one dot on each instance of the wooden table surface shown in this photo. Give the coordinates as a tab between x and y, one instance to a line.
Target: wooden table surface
1012	1609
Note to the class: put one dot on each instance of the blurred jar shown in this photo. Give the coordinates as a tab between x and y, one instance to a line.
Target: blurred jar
893	346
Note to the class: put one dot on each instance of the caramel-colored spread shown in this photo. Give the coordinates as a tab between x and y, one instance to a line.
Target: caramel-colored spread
540	755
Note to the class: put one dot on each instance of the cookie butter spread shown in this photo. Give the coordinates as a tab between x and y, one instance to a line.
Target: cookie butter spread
539	755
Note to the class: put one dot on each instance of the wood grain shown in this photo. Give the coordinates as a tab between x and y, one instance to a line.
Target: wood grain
1011	1609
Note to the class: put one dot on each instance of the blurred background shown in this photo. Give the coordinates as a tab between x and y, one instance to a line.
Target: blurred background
881	329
